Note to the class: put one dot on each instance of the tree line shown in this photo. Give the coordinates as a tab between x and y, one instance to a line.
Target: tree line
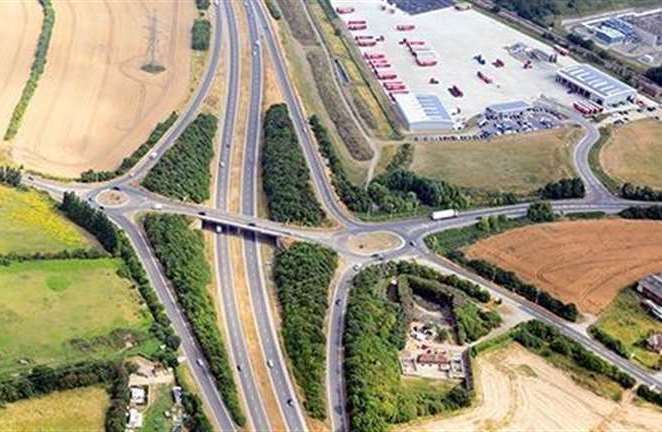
650	395
640	193
10	176
609	341
655	74
538	337
184	172
129	162
200	34
42	380
285	177
36	70
653	212
302	274
117	244
563	189
374	333
181	252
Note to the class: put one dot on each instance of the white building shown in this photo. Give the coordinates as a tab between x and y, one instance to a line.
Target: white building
423	112
595	85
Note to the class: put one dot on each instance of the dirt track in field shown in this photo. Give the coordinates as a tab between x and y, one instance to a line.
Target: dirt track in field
94	104
519	391
21	24
585	262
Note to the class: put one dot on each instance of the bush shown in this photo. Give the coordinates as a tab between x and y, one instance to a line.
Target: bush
285	177
10	176
183	172
302	274
540	212
563	189
200	34
202	4
649	395
274	10
130	161
640	193
181	252
609	341
36	70
652	212
655	74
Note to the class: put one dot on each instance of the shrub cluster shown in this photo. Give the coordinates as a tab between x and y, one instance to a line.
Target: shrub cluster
402	159
10	176
285	176
609	341
563	189
129	162
202	4
652	212
354	197
374	334
640	193
655	74
649	395
538	337
540	212
36	70
181	253
183	172
302	274
91	253
274	10
200	34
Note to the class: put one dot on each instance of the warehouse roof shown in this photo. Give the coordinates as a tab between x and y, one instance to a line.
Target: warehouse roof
422	108
509	107
598	82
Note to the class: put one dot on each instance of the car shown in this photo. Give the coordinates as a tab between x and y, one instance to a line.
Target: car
101	208
412	243
337	301
219	229
201	213
116	188
270	363
30	177
356	267
157	206
200	362
290	402
222	164
239	367
251	224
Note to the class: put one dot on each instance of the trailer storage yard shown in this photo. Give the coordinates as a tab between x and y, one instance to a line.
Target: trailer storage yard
464	58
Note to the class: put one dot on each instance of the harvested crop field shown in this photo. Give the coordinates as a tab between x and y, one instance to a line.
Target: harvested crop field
518	164
585	262
632	153
19	32
94	104
519	391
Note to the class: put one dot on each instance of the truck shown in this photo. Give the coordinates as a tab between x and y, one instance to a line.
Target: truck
443	214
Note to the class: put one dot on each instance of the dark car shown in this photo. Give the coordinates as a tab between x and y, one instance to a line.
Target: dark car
201	213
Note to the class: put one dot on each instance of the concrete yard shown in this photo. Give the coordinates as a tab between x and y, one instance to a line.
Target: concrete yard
456	37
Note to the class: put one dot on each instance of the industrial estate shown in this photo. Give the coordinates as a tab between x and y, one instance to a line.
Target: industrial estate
331	215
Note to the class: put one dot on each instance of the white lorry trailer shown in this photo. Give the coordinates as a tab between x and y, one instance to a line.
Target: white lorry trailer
443	214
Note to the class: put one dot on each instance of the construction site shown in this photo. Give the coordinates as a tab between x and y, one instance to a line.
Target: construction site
443	65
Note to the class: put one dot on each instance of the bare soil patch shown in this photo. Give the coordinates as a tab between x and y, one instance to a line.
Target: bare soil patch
520	391
94	104
373	242
585	262
632	153
18	33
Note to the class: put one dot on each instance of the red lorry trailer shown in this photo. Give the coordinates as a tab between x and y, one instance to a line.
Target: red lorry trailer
344	10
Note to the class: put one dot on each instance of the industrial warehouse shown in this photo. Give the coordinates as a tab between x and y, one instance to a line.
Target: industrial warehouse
439	71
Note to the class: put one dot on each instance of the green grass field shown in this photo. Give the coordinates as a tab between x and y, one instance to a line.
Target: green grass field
81	409
30	223
632	154
162	401
67	310
627	321
520	164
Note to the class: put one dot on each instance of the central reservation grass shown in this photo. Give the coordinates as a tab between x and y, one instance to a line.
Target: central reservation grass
81	409
30	223
632	153
67	310
520	163
626	320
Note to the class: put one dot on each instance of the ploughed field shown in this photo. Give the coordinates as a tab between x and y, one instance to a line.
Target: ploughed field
519	391
94	105
632	153
585	262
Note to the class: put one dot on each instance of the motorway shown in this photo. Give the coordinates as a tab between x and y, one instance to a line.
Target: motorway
410	231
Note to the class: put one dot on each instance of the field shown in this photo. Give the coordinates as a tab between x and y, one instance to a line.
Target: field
81	409
66	310
519	164
626	320
632	154
19	32
519	391
94	104
29	223
585	262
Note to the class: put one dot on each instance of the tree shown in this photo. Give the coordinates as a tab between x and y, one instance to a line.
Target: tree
655	75
540	211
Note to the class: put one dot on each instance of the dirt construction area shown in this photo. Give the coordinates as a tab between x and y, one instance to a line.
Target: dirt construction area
519	391
585	262
94	105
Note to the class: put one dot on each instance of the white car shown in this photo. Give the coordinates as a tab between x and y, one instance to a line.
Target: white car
270	364
157	206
